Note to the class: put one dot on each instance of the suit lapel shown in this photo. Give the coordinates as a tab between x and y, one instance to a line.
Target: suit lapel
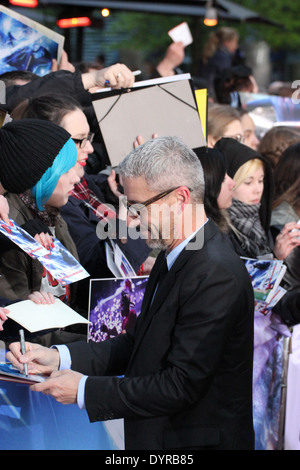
149	310
151	284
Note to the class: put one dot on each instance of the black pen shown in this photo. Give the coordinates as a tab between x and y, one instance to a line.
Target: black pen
23	349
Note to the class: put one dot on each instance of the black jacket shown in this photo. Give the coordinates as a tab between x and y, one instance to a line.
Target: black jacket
188	364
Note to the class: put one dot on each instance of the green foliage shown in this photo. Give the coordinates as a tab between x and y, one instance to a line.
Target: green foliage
145	32
284	12
148	32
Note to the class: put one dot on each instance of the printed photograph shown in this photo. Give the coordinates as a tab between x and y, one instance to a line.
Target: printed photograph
264	275
62	265
58	260
115	305
24	44
22	238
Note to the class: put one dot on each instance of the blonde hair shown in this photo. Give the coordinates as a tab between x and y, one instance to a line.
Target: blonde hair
246	170
216	39
219	116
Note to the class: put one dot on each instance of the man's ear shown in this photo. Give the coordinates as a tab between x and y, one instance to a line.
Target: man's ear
183	197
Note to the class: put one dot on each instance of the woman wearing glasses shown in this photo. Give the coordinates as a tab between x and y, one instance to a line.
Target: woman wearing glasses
223	121
92	201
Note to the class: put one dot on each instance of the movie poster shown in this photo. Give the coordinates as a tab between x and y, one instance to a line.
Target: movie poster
26	45
115	305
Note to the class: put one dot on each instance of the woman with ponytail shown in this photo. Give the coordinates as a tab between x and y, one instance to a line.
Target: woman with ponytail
218	54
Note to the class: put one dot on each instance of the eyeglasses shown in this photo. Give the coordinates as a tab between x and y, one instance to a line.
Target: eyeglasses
135	209
82	142
239	137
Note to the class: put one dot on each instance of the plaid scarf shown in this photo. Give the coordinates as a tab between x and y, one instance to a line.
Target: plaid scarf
82	191
246	221
50	216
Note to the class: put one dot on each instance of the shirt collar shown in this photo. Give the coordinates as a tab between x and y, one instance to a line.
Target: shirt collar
173	255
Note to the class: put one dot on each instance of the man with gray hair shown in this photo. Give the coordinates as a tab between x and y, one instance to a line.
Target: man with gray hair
182	379
152	168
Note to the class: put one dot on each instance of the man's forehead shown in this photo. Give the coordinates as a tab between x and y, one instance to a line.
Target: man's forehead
137	190
134	186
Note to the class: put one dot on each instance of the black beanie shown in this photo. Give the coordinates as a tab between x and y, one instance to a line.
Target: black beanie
28	147
236	155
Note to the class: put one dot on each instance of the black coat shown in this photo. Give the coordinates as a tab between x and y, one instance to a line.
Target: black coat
188	364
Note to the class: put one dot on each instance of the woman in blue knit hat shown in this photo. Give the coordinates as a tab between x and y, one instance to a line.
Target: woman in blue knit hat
37	160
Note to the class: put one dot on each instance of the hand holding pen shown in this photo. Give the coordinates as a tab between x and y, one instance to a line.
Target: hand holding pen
119	78
115	76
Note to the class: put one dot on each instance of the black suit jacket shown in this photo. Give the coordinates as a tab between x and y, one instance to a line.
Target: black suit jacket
188	364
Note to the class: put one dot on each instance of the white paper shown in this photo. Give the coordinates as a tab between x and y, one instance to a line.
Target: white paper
153	81
37	317
161	80
181	33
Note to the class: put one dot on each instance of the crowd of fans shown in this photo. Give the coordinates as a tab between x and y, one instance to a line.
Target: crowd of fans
252	184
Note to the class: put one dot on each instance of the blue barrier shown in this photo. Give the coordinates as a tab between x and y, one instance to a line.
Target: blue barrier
33	421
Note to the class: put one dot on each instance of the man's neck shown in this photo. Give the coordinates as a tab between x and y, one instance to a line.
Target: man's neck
191	223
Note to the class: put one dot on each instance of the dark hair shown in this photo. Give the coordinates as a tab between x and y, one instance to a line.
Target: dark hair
48	107
10	78
287	177
214	167
233	79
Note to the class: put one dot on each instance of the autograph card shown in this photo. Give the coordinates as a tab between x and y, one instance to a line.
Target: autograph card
181	33
58	261
22	238
163	108
10	374
62	265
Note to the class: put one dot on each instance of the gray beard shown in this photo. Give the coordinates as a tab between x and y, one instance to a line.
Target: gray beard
157	244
